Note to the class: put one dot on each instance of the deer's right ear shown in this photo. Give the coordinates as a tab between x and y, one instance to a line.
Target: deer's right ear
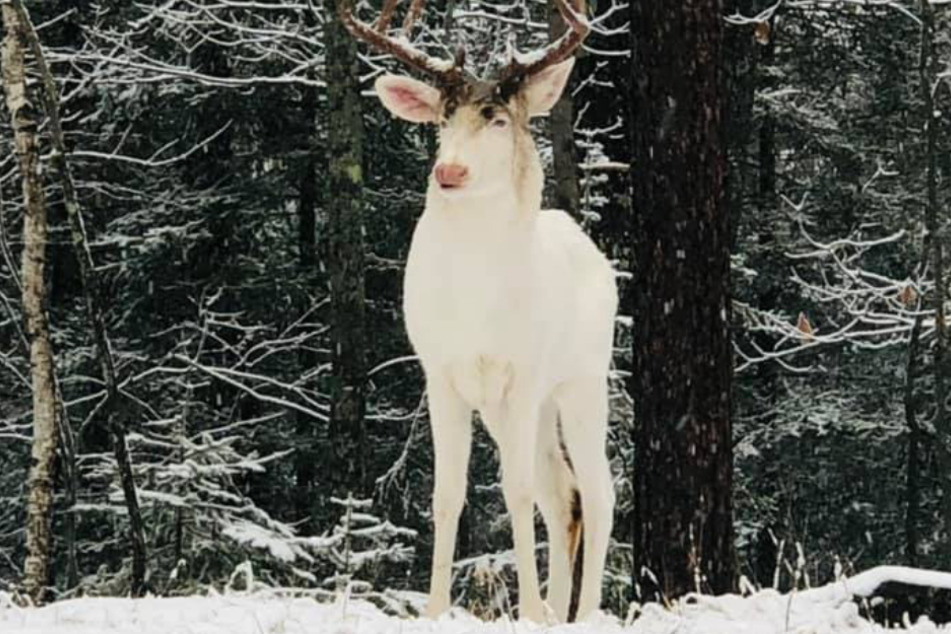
408	99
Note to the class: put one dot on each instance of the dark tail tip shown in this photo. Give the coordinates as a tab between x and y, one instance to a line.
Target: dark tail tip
576	551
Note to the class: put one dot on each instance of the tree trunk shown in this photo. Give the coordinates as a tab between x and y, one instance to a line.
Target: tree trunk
345	258
767	135
740	79
213	169
39	536
113	409
683	531
927	74
913	482
136	526
307	207
561	123
306	457
768	288
68	469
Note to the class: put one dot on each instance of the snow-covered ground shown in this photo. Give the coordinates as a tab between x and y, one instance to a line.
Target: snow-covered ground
825	610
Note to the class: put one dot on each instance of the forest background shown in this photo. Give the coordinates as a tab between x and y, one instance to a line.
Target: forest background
263	402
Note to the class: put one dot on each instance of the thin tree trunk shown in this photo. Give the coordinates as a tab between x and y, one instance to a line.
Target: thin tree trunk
681	383
307	207
561	121
927	74
113	408
740	77
767	287
127	480
913	482
345	258
69	473
180	436
767	136
39	538
306	457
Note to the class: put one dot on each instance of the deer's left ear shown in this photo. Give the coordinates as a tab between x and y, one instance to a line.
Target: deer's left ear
544	88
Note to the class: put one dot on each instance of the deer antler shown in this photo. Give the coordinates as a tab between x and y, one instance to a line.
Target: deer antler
450	72
559	50
444	70
382	23
415	8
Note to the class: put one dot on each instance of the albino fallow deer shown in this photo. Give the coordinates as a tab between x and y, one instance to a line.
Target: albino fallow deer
511	311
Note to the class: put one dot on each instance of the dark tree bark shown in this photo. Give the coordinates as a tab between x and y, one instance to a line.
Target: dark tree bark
767	288
112	409
306	457
561	121
345	258
928	69
25	122
307	202
913	482
683	531
767	138
69	473
740	77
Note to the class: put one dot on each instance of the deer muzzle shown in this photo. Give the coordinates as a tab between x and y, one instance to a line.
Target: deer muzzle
451	175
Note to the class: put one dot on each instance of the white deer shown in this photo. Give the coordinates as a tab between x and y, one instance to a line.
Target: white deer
511	311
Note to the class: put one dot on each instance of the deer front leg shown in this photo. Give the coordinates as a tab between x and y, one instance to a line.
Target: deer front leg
451	424
519	429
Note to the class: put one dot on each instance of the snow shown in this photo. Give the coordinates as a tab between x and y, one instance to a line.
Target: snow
825	610
253	535
864	584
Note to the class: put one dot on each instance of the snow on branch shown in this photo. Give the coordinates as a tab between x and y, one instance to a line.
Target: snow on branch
768	13
265	43
869	583
861	306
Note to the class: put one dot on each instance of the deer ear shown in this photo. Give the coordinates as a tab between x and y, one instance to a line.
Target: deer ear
544	88
408	99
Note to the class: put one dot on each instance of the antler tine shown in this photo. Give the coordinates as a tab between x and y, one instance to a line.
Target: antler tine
562	48
382	23
415	10
444	71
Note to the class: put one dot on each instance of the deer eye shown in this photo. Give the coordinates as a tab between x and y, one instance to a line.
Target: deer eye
500	123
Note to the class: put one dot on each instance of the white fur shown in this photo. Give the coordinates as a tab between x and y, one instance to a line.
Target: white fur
511	310
544	88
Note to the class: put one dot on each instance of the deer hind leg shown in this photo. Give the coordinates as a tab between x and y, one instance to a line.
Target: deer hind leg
451	424
583	406
555	490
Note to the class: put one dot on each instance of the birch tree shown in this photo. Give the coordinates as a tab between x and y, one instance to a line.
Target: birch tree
24	116
111	408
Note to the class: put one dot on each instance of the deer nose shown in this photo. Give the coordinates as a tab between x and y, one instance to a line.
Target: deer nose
451	174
